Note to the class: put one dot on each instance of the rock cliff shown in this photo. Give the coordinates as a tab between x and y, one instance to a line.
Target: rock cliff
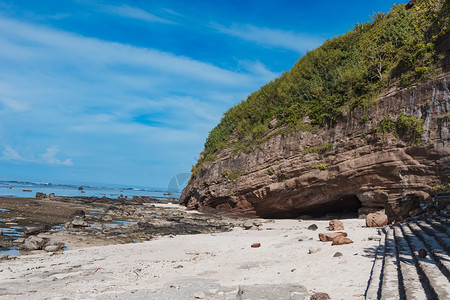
346	168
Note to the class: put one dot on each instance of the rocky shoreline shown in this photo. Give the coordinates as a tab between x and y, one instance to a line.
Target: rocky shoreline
78	222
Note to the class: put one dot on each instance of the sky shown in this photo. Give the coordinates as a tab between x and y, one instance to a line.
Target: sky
126	92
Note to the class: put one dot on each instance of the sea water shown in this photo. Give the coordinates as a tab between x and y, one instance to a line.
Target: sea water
23	189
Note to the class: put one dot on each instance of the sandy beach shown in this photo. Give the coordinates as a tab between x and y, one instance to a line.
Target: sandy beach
201	266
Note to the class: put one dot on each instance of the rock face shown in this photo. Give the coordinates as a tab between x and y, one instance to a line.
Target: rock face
358	171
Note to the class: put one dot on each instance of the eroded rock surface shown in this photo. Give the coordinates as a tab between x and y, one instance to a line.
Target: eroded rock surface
361	171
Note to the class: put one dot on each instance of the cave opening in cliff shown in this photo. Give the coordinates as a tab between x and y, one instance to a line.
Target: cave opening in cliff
345	205
342	206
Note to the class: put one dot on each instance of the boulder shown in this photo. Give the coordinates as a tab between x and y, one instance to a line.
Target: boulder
33	230
330	236
336	225
341	240
79	222
78	213
51	196
41	196
34	243
54	247
377	219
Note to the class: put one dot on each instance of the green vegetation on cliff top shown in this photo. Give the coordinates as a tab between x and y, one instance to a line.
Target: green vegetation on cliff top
345	73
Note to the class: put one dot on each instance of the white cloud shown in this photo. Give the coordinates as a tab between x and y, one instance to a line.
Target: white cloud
135	13
9	153
290	40
50	157
13	105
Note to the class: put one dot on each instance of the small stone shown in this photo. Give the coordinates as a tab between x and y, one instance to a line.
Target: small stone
338	254
313	227
320	296
248	224
422	253
256	245
257	223
179	267
313	250
107	218
375	238
4	257
199	295
336	225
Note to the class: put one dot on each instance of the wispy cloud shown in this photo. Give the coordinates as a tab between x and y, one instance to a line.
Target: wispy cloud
289	40
12	105
146	110
135	13
9	153
50	157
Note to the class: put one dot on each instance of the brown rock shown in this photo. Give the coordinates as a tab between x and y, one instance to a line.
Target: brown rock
341	240
422	253
320	296
336	225
377	219
256	245
41	196
330	236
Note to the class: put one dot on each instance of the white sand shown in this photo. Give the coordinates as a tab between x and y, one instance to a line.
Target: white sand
215	264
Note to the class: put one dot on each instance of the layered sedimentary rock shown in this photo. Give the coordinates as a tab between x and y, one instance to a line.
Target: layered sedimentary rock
356	171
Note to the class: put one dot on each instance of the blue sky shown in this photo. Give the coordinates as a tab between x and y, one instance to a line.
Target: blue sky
125	92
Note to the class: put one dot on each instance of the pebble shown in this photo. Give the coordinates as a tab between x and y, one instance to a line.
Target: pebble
313	250
199	295
313	227
256	245
422	253
338	254
320	296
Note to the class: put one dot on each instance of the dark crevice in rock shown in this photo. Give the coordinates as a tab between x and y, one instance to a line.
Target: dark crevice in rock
343	206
